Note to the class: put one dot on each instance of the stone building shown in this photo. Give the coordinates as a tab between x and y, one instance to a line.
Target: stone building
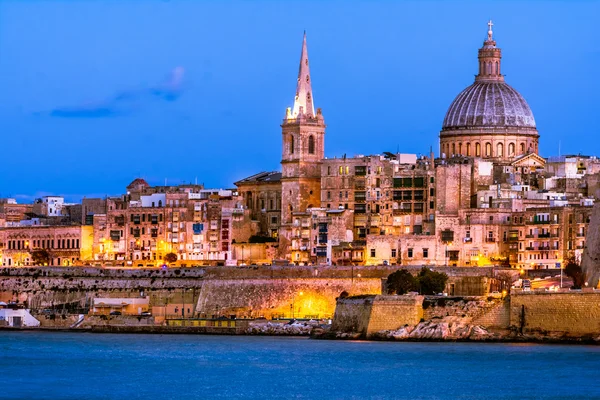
196	224
262	196
66	245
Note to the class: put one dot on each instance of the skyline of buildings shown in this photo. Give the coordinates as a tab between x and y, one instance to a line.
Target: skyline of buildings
487	199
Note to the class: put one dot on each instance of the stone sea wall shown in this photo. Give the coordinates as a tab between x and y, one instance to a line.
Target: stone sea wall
524	316
570	313
299	298
369	314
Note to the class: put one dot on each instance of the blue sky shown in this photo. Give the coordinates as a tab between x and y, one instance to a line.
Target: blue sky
95	93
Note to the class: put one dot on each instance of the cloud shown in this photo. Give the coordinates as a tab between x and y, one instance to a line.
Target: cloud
127	101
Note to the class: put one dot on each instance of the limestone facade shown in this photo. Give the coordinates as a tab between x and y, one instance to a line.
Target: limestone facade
66	245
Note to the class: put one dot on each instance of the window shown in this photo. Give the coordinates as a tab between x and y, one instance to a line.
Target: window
477	150
393	253
328	170
425	253
522	148
468	149
291	144
328	195
409	253
488	149
499	150
372	252
511	149
311	144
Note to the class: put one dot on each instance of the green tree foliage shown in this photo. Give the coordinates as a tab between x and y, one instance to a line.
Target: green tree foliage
40	257
431	282
261	239
401	282
574	271
170	258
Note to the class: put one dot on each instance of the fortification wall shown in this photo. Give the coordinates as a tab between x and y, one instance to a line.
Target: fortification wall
299	298
370	314
571	313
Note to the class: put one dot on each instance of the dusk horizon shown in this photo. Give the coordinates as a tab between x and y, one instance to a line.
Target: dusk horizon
164	101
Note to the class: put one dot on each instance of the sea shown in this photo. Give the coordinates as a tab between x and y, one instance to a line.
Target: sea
64	365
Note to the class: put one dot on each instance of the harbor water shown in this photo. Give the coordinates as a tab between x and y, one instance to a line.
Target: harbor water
60	365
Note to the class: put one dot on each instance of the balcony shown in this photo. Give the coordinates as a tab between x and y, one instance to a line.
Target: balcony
468	240
490	240
529	236
554	247
529	248
544	248
580	234
543	235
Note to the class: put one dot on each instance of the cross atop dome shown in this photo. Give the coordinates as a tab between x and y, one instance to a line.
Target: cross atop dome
490	33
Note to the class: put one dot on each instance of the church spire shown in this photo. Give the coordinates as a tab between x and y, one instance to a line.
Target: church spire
489	59
303	102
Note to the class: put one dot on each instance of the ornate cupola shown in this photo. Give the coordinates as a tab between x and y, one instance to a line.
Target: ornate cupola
489	59
489	119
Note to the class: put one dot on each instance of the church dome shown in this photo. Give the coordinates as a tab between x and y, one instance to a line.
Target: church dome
491	104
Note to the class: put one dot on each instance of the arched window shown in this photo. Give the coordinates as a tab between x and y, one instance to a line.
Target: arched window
499	150
477	150
311	144
460	149
468	149
488	149
489	68
453	149
522	148
496	69
291	144
511	150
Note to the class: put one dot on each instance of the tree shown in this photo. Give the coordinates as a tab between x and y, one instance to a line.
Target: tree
261	239
401	282
431	282
170	258
40	257
574	271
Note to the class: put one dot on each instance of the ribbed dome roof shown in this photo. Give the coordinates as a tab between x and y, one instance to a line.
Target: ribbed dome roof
489	104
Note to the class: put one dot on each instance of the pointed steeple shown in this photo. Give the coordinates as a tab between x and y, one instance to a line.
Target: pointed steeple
489	59
303	102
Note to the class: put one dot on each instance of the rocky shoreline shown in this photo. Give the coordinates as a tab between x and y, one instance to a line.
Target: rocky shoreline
455	331
423	332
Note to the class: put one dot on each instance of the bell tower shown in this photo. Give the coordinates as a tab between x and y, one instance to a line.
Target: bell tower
303	134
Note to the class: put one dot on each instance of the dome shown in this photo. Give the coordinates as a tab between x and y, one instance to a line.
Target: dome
489	105
138	182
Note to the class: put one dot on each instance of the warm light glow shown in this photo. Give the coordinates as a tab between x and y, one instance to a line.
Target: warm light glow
301	293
